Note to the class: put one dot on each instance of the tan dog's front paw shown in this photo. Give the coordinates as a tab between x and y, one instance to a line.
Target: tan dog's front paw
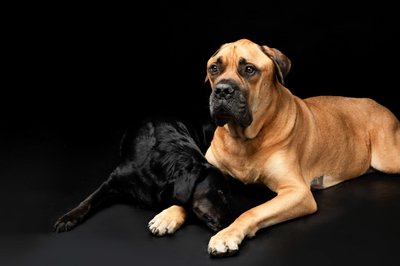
167	221
225	243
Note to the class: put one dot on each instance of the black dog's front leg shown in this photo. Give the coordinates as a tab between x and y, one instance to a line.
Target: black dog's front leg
77	214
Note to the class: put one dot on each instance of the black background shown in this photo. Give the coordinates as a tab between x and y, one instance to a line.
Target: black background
76	75
90	67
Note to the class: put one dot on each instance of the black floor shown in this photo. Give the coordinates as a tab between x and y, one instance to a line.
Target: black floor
45	174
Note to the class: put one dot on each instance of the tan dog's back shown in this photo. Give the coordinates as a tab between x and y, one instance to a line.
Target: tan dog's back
368	134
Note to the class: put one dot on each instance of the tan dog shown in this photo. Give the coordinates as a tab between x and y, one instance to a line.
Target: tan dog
267	135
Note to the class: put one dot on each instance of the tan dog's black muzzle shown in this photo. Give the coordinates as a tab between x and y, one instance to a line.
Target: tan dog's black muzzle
229	103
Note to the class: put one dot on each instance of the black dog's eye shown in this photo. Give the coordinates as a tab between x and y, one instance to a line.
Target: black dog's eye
213	69
250	70
207	217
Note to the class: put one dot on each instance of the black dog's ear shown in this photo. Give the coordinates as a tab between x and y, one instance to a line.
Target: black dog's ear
184	187
282	62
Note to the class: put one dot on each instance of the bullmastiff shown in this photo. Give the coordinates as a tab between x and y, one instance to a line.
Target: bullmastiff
267	135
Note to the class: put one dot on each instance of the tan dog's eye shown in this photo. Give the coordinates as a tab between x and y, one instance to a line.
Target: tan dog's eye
213	69
250	70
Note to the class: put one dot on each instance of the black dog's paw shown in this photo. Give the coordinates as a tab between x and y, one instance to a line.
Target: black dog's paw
64	224
70	219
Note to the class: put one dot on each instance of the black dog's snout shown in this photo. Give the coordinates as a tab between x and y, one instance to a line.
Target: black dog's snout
224	90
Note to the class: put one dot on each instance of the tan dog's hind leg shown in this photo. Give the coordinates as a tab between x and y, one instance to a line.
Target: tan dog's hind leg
385	145
167	221
290	202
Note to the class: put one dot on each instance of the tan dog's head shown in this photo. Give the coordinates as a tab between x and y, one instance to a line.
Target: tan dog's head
242	75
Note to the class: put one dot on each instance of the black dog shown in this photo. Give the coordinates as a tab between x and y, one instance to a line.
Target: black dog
163	165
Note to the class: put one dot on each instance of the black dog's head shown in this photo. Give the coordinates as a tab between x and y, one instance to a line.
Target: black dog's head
194	183
207	194
211	200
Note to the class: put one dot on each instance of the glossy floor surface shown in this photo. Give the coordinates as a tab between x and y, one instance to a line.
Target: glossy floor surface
357	222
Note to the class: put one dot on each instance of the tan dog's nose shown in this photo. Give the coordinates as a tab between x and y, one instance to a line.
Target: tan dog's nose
224	91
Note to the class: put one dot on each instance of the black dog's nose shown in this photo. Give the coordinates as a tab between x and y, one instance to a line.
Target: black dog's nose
223	90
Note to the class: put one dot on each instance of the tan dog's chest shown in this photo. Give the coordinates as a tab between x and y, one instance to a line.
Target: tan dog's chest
240	168
246	162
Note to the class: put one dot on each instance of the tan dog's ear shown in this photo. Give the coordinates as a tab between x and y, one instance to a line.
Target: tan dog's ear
281	61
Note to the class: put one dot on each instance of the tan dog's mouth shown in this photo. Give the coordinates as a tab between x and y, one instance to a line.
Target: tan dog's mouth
222	115
228	104
225	113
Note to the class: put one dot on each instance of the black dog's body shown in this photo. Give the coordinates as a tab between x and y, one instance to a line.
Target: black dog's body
163	164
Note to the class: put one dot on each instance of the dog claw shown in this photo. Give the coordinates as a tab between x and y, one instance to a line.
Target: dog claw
218	254
150	224
155	231
222	251
63	226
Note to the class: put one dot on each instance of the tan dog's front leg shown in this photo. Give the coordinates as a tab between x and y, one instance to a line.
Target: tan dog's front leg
167	221
290	202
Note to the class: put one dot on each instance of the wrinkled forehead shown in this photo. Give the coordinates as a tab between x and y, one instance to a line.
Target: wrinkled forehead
232	53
